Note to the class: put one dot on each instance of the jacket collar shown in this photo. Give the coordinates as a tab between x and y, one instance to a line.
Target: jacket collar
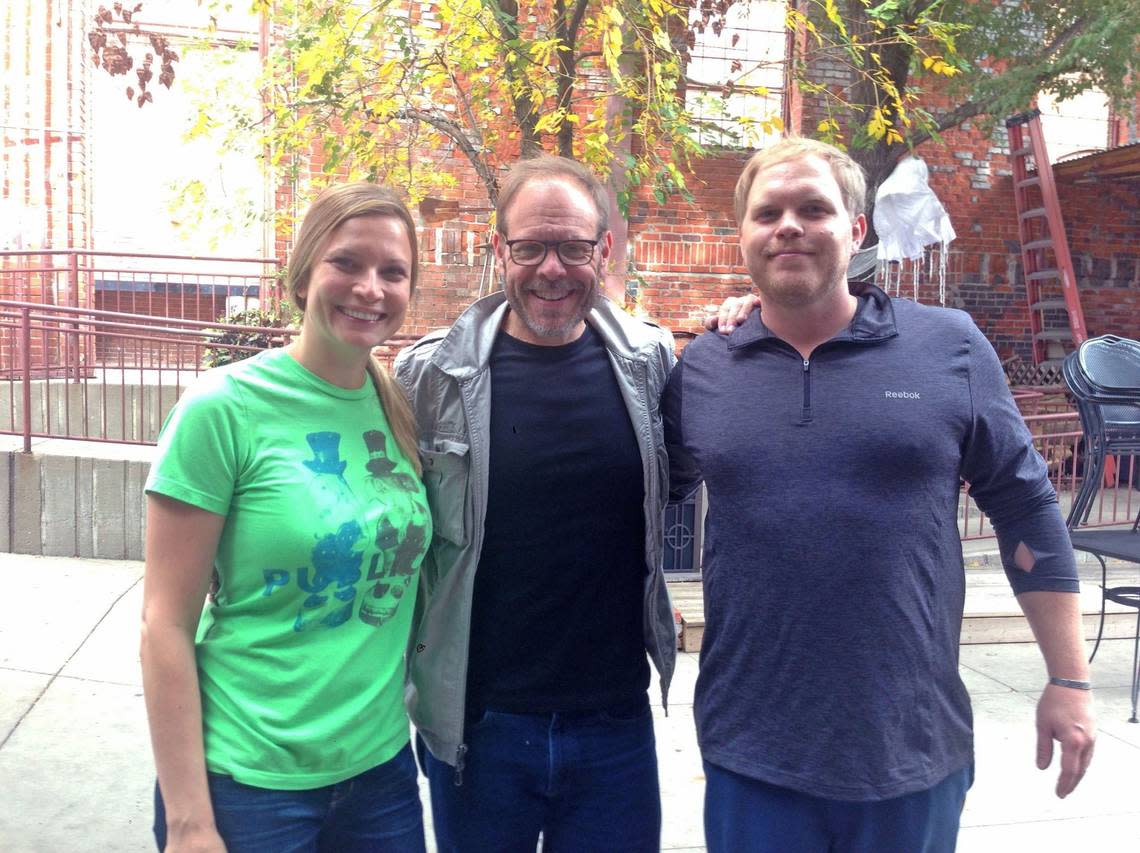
466	348
874	320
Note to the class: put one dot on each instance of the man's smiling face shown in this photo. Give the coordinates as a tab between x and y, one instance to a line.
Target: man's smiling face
797	236
549	302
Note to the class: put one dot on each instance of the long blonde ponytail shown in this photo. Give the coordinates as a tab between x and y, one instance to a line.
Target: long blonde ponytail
397	411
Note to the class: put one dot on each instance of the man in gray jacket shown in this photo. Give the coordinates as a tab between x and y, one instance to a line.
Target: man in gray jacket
543	590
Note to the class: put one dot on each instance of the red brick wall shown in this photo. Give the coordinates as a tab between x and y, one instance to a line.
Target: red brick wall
972	176
1102	224
1102	221
686	257
682	257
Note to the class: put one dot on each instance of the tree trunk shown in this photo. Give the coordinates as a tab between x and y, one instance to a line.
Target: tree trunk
529	145
879	160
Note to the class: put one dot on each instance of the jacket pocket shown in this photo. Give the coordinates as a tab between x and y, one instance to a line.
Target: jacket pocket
446	465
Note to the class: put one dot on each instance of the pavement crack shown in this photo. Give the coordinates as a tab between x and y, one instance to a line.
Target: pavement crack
55	675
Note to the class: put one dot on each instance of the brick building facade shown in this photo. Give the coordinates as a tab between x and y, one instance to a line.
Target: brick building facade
44	152
682	257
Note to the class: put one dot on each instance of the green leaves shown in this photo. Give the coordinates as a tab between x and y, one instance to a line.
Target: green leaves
399	92
916	67
376	88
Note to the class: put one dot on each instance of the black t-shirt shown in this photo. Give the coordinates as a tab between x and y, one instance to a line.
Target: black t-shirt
557	616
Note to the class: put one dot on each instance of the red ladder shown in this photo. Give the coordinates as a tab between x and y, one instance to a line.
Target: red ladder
1056	320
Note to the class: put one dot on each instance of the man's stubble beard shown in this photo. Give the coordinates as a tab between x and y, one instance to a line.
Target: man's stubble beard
591	299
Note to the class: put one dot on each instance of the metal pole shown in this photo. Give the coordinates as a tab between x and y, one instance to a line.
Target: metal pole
72	342
26	347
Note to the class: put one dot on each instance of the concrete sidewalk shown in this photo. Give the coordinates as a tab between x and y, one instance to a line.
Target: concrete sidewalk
76	772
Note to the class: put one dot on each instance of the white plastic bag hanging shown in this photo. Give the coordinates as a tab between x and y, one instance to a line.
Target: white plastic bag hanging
909	217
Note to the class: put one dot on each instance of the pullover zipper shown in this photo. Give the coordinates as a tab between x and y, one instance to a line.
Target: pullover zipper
805	417
460	762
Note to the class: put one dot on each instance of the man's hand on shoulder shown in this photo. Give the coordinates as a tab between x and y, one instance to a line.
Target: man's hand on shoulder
732	312
1066	715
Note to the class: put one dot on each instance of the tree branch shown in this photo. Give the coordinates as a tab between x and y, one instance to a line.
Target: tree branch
464	102
456	134
984	106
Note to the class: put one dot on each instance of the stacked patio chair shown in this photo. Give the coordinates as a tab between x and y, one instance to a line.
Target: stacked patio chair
1103	375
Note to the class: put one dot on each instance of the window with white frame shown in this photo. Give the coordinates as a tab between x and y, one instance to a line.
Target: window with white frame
735	78
1074	126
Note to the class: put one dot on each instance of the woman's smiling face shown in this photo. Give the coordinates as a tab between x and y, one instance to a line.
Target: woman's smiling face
356	296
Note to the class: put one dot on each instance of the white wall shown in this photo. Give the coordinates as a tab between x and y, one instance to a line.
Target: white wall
140	154
1079	124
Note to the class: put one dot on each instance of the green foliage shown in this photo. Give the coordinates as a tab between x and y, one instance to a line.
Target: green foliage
1015	50
978	60
265	320
493	78
918	68
376	87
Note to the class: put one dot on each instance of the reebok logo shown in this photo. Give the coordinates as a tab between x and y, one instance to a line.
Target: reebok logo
902	395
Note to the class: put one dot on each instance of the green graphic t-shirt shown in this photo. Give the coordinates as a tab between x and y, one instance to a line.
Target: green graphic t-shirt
301	655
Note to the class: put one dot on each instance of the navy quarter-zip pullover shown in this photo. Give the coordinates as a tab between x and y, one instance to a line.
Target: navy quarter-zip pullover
833	571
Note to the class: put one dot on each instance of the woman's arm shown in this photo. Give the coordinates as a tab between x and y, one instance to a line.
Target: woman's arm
181	541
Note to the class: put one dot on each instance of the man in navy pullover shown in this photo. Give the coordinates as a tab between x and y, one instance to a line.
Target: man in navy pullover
832	429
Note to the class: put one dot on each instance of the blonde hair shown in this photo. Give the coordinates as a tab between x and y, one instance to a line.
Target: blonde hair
332	208
847	173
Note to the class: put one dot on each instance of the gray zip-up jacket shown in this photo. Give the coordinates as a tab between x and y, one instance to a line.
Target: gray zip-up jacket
447	380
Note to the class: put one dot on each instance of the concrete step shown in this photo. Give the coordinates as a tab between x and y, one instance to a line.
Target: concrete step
73	498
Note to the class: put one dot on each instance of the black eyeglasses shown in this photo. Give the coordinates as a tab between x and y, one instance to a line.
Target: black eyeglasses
572	253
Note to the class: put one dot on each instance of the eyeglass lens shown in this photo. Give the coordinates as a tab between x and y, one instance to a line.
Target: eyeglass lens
533	252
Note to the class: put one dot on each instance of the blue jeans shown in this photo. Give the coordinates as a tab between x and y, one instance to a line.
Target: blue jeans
378	810
585	780
744	815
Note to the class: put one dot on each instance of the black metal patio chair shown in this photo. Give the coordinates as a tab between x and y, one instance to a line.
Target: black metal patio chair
1110	421
1103	375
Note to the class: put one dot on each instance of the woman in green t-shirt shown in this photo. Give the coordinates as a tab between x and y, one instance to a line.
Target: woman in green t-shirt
276	714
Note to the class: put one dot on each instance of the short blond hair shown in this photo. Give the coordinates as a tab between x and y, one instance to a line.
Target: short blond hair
848	174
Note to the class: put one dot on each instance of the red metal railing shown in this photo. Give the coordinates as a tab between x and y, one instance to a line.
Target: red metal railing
185	287
45	274
104	376
1056	430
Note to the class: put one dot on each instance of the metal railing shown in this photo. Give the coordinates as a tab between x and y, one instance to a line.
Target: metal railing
182	287
1056	430
103	376
151	283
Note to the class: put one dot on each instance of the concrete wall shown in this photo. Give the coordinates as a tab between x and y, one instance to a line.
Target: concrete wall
74	499
89	409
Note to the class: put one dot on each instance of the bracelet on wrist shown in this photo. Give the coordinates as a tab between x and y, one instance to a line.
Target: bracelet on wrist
1073	683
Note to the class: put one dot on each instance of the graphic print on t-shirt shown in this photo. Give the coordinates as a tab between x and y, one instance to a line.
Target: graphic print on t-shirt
335	560
380	466
392	569
397	515
394	563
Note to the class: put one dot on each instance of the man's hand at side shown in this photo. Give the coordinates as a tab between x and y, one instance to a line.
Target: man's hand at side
1066	715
